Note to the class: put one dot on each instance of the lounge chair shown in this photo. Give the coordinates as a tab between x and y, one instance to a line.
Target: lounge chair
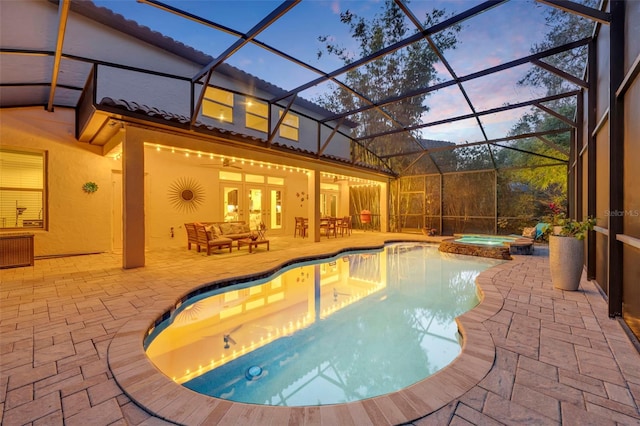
536	232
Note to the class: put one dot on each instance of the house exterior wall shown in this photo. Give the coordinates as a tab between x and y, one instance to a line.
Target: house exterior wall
83	223
77	222
162	213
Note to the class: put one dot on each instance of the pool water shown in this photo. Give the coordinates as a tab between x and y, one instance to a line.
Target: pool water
332	331
485	240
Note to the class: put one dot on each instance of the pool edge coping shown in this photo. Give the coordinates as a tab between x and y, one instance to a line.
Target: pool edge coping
160	396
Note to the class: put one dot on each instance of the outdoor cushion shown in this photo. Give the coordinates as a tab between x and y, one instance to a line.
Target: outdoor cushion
529	232
540	228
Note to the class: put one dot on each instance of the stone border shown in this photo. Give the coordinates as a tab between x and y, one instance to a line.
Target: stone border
154	392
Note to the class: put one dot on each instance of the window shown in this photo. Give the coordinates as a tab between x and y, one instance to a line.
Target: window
257	115
22	195
218	104
224	175
289	126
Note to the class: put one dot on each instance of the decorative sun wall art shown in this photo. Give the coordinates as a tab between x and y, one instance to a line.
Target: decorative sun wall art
186	194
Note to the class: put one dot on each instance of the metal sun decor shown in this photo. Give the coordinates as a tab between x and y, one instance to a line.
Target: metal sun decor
186	194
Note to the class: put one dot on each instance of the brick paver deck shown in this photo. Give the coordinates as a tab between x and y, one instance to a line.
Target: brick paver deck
551	357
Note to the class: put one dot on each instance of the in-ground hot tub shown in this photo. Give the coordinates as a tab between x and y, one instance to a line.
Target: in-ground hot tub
493	246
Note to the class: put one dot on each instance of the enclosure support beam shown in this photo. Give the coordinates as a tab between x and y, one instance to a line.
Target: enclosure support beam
246	38
530	152
63	11
553	145
440	26
555	114
274	131
490	141
577	173
592	105
616	153
476	114
580	142
580	10
441	204
562	74
468	77
495	201
453	74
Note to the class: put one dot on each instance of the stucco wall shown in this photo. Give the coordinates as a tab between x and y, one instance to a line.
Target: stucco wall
165	170
77	222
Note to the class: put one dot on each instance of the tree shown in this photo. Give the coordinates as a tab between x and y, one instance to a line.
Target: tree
388	76
563	28
550	183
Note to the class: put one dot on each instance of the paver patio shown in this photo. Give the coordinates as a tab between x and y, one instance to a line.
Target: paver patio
559	358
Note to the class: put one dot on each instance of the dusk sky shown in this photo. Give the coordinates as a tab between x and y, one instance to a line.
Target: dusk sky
499	35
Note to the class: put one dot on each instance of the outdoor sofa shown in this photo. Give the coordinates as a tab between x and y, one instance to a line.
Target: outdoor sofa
218	235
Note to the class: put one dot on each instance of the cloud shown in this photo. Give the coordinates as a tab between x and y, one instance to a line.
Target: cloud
335	7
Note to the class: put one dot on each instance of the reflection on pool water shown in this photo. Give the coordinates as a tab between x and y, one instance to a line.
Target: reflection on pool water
337	330
485	240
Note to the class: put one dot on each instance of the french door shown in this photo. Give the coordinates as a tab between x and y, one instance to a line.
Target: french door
254	204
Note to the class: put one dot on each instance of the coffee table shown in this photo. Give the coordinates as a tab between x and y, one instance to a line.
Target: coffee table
252	243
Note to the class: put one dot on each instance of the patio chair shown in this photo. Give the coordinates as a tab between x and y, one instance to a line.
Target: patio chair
329	226
302	224
345	226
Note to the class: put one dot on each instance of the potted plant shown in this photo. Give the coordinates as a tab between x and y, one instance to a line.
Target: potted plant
566	252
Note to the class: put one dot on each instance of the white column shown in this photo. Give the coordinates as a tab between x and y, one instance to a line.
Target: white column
313	187
133	236
384	207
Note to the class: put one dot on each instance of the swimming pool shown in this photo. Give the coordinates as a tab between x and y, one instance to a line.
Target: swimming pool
348	328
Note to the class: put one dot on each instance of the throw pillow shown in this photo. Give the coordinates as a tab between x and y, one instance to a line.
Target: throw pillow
245	228
214	231
226	228
237	228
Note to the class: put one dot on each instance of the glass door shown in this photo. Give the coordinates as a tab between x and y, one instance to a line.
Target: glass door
328	204
259	204
255	209
232	210
274	210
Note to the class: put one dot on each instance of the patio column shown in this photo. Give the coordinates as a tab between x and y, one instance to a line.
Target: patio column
592	108
384	207
616	154
313	183
133	235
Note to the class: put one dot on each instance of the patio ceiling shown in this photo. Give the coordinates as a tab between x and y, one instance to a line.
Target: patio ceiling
464	109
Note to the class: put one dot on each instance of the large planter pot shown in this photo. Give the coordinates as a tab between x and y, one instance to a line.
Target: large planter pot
566	257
